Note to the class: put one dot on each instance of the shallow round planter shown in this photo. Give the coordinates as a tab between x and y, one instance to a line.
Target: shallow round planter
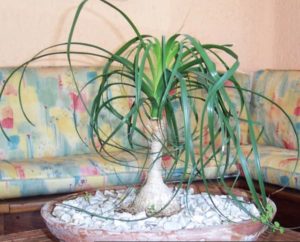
244	231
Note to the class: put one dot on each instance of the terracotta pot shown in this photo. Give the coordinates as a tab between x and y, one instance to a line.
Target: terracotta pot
244	231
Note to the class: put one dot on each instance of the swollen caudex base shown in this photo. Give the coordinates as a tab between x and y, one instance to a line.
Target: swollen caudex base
155	195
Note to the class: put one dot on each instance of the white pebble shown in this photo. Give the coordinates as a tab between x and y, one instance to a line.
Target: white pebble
199	212
172	226
66	218
198	219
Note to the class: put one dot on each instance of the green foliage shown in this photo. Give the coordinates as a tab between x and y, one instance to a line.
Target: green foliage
266	218
164	77
151	210
276	226
87	196
267	215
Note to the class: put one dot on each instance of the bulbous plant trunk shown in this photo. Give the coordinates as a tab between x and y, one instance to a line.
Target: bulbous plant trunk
155	195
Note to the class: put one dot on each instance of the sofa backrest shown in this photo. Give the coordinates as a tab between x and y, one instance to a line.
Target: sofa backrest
49	99
245	82
283	87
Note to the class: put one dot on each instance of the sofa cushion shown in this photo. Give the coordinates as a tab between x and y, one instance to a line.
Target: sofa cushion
50	157
51	102
283	87
277	165
245	82
80	172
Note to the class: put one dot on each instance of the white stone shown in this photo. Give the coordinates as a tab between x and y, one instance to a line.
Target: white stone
190	225
253	210
172	226
124	215
211	214
66	218
204	207
109	193
58	211
198	219
237	219
191	191
100	196
121	225
198	212
140	215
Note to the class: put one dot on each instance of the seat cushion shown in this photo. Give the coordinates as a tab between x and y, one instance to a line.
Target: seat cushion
283	87
80	172
277	166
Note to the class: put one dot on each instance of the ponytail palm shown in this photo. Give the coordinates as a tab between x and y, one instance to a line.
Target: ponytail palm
164	77
160	74
176	97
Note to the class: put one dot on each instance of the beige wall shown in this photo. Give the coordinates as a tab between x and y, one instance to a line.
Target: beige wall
265	33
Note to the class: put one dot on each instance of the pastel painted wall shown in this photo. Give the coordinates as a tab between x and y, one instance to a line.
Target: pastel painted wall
265	33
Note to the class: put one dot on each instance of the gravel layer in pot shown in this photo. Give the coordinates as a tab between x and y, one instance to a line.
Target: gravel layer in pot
200	221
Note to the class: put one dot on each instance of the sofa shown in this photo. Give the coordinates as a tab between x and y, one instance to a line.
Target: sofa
45	153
